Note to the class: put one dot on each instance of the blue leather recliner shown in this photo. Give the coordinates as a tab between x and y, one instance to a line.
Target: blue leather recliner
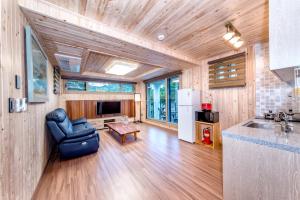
74	138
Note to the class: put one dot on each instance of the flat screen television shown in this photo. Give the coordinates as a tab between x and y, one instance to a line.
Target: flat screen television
108	107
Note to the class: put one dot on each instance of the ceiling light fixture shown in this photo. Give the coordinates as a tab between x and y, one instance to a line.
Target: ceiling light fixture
119	67
238	44
232	36
161	37
234	39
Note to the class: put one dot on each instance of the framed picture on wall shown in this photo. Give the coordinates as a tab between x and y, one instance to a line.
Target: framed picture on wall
37	69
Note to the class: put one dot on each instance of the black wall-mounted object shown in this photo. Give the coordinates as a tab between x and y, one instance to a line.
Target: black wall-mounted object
11	105
17	81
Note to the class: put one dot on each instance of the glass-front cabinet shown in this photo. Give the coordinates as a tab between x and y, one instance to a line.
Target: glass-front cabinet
162	99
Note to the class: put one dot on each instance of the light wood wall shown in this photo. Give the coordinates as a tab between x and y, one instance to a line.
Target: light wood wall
90	96
24	148
234	104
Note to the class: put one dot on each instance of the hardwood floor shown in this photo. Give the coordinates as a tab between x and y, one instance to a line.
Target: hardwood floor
156	166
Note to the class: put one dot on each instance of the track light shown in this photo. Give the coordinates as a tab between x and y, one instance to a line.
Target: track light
234	39
232	36
228	35
238	44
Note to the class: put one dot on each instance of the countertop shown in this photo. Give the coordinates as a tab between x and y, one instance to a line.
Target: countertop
268	137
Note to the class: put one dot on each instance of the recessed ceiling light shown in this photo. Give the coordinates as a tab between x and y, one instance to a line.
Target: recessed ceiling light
161	37
118	67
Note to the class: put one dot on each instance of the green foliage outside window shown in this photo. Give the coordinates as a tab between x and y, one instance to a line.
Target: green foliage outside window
73	85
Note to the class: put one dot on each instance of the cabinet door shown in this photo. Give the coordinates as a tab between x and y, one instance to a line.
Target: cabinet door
127	108
91	109
284	33
75	109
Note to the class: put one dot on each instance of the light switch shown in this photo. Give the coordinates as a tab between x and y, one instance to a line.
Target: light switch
17	81
17	105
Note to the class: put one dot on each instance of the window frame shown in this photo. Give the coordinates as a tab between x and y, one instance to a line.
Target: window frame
66	91
166	81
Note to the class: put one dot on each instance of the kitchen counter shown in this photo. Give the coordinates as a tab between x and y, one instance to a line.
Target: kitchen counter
261	163
268	137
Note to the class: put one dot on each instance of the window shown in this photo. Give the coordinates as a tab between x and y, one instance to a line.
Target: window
73	85
162	99
228	72
173	84
156	100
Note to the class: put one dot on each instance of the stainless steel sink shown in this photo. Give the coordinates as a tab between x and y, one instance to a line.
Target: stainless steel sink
252	124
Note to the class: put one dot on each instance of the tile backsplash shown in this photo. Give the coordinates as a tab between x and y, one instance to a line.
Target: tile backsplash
272	93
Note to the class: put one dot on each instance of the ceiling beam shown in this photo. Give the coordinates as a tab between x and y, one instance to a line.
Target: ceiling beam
60	22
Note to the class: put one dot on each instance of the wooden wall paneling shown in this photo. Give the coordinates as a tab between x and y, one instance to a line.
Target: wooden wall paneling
234	104
71	96
90	109
87	108
75	109
25	145
127	108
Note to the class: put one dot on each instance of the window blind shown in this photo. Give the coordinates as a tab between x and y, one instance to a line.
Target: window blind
228	72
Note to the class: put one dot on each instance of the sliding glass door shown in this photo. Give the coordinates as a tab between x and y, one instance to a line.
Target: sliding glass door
162	99
173	86
156	100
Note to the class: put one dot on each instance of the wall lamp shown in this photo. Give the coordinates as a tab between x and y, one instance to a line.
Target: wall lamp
233	36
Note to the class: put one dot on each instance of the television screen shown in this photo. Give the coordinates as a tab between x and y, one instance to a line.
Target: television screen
108	107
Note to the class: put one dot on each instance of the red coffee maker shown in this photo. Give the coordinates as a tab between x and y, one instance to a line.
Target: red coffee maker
206	107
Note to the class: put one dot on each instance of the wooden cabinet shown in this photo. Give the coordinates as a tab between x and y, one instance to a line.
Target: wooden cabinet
88	109
214	133
75	109
284	33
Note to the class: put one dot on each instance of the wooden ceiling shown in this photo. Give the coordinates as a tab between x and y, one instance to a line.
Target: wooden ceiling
193	27
99	30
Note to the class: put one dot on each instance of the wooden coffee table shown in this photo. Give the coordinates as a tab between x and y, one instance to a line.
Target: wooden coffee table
123	129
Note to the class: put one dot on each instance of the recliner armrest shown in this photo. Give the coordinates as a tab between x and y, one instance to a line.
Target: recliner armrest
80	139
79	121
81	133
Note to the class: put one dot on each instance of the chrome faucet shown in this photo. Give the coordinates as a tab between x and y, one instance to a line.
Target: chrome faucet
285	126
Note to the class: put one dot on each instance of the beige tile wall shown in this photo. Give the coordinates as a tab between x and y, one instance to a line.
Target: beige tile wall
271	93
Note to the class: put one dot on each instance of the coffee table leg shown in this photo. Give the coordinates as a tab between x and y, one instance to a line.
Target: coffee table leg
135	137
123	139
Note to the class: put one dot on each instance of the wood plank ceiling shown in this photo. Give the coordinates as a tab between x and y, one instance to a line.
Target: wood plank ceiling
193	30
194	27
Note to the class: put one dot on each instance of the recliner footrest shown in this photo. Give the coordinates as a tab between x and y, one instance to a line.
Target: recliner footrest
71	149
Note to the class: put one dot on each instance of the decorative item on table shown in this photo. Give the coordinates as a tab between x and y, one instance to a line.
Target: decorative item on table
206	107
37	69
206	136
125	120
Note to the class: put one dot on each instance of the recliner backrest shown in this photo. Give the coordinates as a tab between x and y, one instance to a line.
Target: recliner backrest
59	124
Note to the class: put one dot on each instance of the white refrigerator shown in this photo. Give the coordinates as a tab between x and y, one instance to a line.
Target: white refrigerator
188	103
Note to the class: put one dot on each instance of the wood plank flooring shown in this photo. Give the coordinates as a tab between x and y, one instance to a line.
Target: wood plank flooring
156	166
